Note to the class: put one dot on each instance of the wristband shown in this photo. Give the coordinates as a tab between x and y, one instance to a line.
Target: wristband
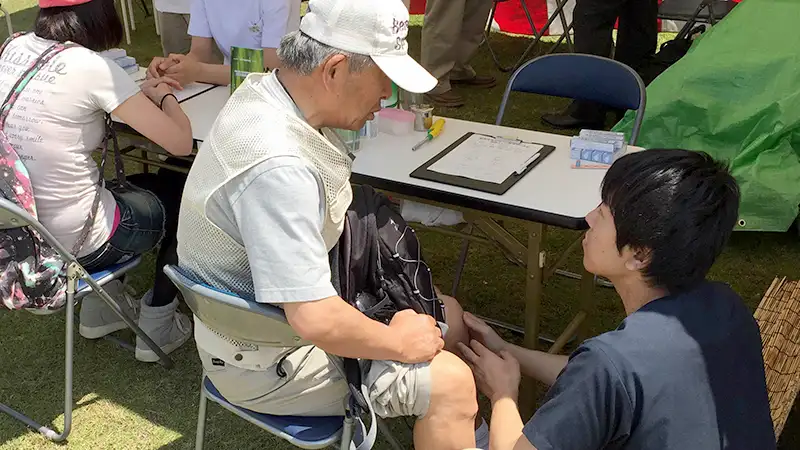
161	104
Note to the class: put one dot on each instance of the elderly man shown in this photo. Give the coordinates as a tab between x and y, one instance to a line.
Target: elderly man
265	203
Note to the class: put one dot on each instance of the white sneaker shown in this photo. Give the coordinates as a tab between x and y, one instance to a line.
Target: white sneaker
97	319
167	327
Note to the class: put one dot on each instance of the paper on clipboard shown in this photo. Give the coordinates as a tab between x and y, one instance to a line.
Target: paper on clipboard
487	158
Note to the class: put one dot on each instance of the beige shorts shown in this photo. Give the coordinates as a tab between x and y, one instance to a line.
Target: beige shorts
313	385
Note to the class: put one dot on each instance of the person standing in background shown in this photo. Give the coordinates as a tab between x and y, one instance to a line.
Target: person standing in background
636	43
173	19
451	33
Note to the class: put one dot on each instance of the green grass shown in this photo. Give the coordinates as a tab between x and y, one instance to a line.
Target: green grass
123	404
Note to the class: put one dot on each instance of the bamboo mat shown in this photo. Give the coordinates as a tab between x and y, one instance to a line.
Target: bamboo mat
778	317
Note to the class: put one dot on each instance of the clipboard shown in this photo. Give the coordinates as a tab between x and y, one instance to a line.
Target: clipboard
423	173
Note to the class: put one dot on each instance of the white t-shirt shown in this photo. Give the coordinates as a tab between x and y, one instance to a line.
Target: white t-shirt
56	124
173	6
244	23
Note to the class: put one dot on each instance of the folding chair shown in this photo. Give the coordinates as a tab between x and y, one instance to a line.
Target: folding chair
79	284
8	20
537	34
246	322
577	76
694	11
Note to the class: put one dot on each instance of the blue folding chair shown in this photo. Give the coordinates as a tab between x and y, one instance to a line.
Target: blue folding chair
581	77
79	284
246	322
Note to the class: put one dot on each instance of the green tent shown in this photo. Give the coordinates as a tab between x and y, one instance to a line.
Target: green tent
736	95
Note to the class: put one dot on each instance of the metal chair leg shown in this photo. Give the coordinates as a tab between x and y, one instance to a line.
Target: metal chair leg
201	417
462	260
69	339
8	20
130	14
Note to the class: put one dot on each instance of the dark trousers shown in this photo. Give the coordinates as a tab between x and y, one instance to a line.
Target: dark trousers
637	35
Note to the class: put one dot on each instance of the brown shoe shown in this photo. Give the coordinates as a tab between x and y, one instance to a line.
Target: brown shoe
447	99
477	82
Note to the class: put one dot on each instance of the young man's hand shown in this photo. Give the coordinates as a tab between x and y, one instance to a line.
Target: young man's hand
497	376
483	333
418	336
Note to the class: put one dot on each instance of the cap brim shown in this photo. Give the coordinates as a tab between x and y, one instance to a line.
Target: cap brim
406	73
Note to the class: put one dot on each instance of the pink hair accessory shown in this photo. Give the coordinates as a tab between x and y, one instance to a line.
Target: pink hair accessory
57	3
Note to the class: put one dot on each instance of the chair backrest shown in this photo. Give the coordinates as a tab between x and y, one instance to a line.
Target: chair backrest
13	216
236	318
581	77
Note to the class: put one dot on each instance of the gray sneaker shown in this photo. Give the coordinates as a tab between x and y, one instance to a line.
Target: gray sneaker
167	327
97	319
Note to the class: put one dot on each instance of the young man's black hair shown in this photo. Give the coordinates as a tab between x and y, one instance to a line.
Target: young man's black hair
677	206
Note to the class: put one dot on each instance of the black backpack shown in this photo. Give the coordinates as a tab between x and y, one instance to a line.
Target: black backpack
377	267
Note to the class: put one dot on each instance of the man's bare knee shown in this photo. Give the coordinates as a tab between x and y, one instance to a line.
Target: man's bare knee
457	331
452	386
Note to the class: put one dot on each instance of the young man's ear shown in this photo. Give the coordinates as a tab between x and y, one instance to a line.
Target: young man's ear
638	260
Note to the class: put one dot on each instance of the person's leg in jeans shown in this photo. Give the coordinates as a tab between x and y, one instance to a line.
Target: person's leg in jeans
139	230
159	317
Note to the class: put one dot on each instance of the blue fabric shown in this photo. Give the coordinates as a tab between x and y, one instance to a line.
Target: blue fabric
307	429
682	372
582	77
97	276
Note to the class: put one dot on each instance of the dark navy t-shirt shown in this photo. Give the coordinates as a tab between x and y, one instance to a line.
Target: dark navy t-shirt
683	372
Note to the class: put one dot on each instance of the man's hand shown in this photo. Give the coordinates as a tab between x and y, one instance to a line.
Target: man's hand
483	333
418	336
156	88
496	376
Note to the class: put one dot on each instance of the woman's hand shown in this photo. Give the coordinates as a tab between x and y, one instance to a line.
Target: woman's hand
156	88
497	376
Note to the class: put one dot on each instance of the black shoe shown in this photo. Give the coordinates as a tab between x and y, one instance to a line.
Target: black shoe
579	114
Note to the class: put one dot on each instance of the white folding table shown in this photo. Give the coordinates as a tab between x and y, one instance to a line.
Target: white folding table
552	194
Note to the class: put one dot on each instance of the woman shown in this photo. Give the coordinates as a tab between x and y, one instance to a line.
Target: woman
57	123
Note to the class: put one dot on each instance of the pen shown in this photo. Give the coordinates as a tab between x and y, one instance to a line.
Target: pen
527	163
434	131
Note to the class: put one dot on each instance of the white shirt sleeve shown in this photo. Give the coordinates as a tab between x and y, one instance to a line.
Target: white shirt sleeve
278	18
198	21
107	83
279	209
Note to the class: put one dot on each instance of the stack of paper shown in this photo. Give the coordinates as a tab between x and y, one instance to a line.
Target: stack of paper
596	149
120	56
487	158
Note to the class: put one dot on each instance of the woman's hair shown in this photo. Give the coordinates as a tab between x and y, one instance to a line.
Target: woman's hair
94	25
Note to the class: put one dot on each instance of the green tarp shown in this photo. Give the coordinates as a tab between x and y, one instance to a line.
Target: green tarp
736	95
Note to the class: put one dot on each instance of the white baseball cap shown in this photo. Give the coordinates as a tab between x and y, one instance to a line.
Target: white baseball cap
376	28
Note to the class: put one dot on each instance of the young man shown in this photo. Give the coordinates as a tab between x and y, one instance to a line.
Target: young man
684	369
222	25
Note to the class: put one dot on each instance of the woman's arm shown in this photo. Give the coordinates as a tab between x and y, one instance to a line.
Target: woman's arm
169	127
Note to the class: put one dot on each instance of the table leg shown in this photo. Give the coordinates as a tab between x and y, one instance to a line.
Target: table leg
586	304
533	304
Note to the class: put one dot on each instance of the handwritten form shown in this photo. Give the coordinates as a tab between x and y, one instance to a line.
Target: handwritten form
487	158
